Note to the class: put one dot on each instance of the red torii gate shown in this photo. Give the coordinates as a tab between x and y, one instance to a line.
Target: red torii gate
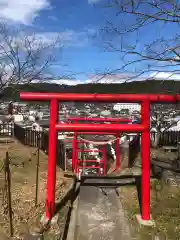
144	128
98	119
89	119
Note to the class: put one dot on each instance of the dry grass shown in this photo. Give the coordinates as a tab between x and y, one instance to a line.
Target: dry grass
165	209
165	205
25	215
160	154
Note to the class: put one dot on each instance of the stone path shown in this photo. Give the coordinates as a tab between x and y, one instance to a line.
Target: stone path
100	215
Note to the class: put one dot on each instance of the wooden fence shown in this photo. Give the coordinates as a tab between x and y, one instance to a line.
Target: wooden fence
30	137
39	139
169	138
6	129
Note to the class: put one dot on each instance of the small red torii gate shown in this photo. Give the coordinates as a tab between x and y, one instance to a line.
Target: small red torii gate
143	128
90	119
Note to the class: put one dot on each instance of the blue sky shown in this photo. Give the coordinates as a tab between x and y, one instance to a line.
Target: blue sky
76	22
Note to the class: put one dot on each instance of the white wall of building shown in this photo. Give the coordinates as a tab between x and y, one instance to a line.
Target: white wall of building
131	106
18	117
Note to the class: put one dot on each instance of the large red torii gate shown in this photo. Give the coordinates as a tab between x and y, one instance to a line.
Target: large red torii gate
144	128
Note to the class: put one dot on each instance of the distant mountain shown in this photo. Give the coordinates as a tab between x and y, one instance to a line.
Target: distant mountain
150	86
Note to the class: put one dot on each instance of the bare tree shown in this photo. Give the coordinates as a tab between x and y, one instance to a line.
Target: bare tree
24	57
162	119
132	20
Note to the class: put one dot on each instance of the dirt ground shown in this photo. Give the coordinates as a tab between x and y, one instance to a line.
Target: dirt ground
26	216
165	206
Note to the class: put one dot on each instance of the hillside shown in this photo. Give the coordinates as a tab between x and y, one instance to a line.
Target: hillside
151	86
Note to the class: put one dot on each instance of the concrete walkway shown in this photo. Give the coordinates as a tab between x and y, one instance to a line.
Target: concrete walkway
100	215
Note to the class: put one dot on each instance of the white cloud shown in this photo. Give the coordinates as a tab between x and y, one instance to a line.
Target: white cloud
166	75
68	38
63	39
93	1
116	78
53	18
92	79
22	11
69	82
124	77
72	38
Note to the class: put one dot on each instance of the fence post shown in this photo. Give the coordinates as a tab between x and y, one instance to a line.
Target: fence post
178	150
8	179
37	170
12	130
